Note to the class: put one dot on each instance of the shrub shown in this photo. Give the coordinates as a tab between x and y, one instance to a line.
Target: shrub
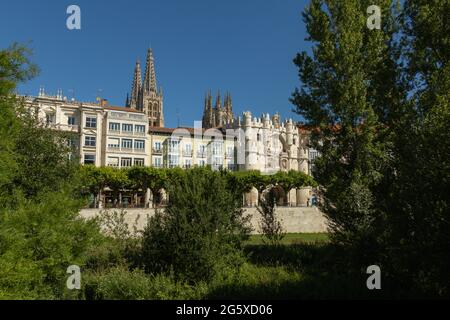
200	231
39	240
270	226
122	284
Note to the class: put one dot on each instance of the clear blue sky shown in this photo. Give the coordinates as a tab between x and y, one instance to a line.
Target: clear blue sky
244	46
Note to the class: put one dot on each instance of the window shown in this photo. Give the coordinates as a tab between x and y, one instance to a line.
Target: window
201	163
217	148
187	163
173	160
173	146
89	141
139	128
125	162
71	121
187	152
139	162
50	118
127	127
91	122
89	159
201	151
157	162
113	161
139	144
230	152
72	142
113	143
258	137
157	146
231	166
114	126
127	143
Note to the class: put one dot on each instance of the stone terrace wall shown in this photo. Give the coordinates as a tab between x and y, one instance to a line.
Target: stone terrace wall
294	219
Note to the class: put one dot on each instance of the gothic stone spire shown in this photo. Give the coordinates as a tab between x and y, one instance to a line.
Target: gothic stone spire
136	87
150	75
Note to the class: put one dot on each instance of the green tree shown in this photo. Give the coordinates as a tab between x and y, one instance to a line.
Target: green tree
269	224
15	66
418	182
41	233
379	102
200	233
350	94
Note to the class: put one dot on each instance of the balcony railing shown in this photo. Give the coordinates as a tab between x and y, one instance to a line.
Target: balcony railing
187	153
157	151
125	150
114	149
201	154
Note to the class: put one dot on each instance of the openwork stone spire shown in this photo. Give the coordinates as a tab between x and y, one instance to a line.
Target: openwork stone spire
136	87
150	74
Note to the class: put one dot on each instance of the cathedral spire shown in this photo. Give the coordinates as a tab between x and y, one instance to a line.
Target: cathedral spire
136	87
228	103
150	75
218	102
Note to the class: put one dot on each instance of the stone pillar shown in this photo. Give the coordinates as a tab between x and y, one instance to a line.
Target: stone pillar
147	198
100	200
292	197
164	197
251	198
303	194
254	194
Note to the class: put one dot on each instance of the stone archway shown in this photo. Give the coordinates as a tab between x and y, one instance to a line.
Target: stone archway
280	196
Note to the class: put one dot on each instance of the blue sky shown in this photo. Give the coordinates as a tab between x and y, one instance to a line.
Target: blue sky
245	47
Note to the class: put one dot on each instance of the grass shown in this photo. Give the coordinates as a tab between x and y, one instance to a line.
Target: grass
305	266
292	238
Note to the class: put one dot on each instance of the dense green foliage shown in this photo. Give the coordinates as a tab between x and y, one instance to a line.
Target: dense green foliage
379	103
270	226
41	233
200	232
96	179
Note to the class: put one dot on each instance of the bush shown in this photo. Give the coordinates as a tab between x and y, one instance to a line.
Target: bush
122	284
39	240
200	232
270	226
119	247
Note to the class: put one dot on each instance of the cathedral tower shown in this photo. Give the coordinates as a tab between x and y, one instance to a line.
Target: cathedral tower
134	101
220	115
146	96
